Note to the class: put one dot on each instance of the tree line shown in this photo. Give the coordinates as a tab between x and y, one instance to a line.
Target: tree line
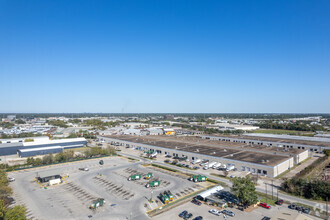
311	189
17	212
297	126
62	157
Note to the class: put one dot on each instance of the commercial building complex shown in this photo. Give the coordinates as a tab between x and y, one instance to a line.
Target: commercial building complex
312	144
270	161
40	145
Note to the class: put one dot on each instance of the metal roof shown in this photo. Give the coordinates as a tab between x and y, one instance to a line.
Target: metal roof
39	148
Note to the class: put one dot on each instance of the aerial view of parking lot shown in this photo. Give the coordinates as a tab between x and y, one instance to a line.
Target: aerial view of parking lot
120	188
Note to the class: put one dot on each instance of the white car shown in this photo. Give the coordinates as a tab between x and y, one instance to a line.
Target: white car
215	212
11	179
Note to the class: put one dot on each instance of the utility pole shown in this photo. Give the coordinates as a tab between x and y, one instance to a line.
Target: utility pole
327	207
272	188
266	193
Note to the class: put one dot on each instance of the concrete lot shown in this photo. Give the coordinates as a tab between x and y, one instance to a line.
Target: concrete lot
71	199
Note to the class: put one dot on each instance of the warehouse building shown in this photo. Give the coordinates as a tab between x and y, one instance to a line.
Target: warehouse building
30	152
313	144
269	161
12	148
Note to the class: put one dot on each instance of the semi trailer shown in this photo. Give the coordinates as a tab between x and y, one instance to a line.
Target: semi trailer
169	195
134	177
217	165
198	178
97	203
164	198
196	161
154	183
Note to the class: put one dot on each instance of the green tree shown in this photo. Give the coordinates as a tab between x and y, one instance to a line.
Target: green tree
48	159
19	121
18	212
37	162
3	209
245	190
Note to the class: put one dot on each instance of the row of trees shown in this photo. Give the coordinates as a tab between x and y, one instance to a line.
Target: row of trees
297	126
97	123
67	156
7	125
57	123
22	135
310	189
15	213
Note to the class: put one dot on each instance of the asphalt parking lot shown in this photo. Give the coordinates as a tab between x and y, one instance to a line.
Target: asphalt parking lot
71	199
203	211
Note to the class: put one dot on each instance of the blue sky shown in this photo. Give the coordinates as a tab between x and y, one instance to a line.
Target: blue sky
165	56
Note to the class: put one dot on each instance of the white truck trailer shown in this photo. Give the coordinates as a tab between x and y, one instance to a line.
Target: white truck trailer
196	161
217	165
209	165
231	167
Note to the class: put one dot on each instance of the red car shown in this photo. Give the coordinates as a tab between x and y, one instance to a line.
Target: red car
195	201
265	205
279	202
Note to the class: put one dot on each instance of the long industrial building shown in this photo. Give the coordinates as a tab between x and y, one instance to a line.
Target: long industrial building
270	161
313	144
39	144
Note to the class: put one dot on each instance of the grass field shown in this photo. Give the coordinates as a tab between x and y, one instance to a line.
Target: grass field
288	132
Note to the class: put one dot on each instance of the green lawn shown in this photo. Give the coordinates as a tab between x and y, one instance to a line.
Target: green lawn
279	131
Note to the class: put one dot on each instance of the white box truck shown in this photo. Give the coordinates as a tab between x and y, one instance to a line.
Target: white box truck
209	165
231	167
196	161
217	165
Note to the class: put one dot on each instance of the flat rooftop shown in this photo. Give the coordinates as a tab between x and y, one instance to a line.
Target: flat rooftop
270	156
280	139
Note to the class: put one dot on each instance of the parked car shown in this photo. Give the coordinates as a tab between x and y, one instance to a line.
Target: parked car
265	205
187	216
196	167
228	212
299	208
265	218
214	212
84	169
306	210
11	179
195	201
198	218
183	214
168	156
292	206
279	202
